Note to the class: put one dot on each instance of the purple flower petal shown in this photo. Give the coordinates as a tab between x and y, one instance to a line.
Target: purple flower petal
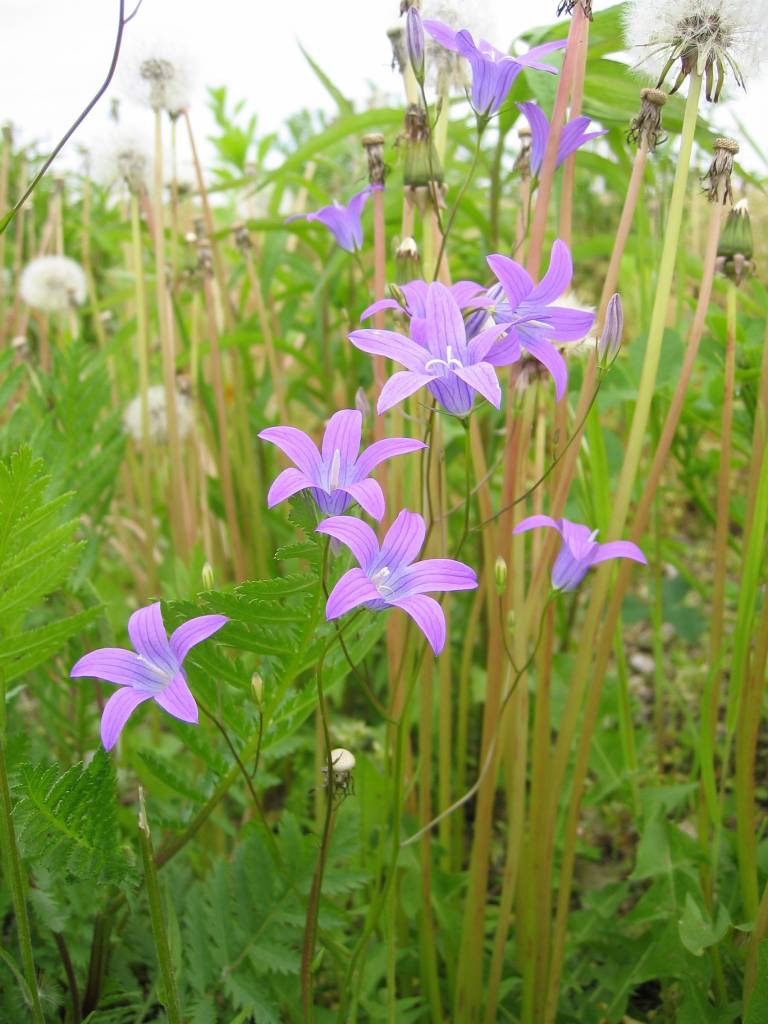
469	294
392	345
369	496
194	632
557	277
117	711
379	451
148	636
356	535
515	280
116	665
299	448
445	324
434	574
353	589
428	616
484	342
482	377
566	324
286	484
399	387
506	351
548	356
343	434
404	540
533	522
442	33
378	307
569	570
531	59
619	549
177	698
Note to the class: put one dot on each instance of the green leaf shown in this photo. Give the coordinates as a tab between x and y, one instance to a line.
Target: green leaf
697	930
344	105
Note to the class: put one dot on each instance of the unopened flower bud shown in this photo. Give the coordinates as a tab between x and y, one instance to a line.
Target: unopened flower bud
734	251
421	165
500	574
257	686
414	37
610	340
343	763
408	249
207	575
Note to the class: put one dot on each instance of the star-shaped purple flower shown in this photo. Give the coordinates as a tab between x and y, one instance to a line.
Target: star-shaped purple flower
534	319
493	72
580	550
338	474
154	672
388	576
572	137
344	222
437	355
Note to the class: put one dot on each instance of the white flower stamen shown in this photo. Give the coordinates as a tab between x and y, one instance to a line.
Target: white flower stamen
333	481
449	362
379	580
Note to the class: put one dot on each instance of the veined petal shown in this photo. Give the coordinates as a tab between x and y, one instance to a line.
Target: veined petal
468	294
442	33
394	346
567	324
341	224
299	448
531	59
415	293
378	307
514	279
343	433
353	589
379	451
356	535
619	549
484	342
148	636
116	665
399	387
534	522
177	698
506	351
117	711
539	123
428	616
482	377
369	496
549	357
557	277
445	324
435	574
286	484
193	632
404	540
357	203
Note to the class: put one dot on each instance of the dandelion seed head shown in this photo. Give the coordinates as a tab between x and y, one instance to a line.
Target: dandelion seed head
713	36
53	284
442	65
124	158
163	77
158	418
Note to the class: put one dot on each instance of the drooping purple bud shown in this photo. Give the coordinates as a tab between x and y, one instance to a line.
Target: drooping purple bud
414	36
610	340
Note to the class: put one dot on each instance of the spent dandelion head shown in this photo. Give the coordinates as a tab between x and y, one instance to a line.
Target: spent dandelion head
163	76
646	128
124	158
711	37
53	284
373	144
717	180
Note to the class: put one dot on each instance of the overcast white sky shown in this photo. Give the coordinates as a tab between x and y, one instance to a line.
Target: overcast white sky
56	52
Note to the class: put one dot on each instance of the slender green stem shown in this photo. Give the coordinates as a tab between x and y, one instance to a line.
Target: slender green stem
169	995
455	208
15	877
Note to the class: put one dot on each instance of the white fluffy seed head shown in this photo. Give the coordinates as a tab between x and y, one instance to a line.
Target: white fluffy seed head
731	32
162	76
444	68
53	284
124	159
158	418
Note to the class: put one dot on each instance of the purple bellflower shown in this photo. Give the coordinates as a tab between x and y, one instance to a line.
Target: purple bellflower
154	672
493	72
580	550
412	297
572	137
535	321
437	355
338	474
388	577
344	222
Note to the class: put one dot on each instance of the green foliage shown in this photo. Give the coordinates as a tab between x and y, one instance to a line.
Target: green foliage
68	822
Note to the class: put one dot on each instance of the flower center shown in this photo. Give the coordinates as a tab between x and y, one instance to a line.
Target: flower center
379	580
449	361
163	676
333	481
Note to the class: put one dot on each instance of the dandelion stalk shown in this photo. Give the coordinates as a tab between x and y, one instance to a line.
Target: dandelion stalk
168	995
